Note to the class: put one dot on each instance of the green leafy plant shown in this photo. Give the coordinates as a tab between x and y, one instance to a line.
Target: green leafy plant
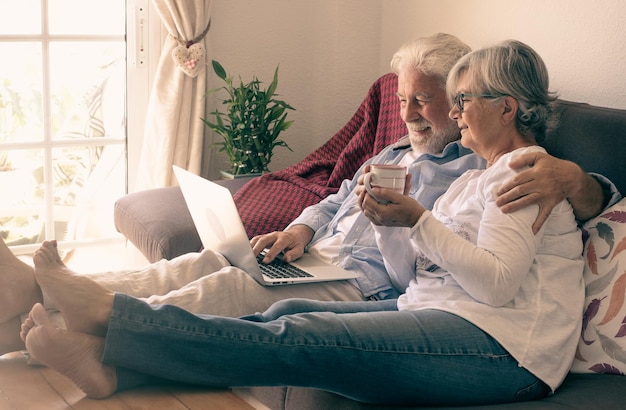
251	123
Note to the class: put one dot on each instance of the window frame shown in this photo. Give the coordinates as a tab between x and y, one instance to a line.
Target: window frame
138	80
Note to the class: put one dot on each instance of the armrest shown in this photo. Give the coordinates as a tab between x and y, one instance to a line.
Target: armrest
158	222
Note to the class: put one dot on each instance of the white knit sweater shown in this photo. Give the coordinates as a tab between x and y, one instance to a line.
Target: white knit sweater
470	259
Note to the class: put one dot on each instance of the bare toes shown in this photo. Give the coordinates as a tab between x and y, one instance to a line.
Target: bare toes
84	304
36	317
47	254
76	356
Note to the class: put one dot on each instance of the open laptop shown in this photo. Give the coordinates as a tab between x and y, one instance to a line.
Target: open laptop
219	225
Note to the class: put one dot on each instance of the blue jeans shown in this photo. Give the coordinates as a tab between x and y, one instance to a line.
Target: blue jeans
367	351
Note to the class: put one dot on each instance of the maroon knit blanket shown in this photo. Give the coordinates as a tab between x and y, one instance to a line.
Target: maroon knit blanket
270	202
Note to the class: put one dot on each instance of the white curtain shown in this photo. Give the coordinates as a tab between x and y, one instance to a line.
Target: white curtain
173	131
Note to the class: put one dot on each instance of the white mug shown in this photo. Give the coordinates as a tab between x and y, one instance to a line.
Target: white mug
385	176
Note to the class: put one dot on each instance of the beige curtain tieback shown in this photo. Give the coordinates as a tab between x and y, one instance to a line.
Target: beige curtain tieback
190	55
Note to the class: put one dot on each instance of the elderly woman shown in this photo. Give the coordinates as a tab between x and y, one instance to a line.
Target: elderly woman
491	313
472	264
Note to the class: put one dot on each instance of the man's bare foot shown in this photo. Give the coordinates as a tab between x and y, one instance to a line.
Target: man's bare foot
18	289
74	355
84	304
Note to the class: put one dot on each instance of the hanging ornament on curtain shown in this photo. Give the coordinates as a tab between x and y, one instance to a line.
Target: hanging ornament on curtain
190	55
189	59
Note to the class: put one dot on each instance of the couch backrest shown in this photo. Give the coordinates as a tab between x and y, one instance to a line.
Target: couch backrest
593	137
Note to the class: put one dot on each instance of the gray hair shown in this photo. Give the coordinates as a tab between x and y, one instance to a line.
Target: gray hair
510	68
434	55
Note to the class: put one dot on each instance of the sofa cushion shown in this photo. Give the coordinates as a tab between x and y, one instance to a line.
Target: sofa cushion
158	222
578	391
602	344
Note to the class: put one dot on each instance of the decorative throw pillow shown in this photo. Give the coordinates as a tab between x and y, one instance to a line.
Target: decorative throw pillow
602	344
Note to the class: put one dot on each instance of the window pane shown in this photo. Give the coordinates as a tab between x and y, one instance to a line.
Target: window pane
88	88
87	16
20	93
20	17
21	208
87	181
62	119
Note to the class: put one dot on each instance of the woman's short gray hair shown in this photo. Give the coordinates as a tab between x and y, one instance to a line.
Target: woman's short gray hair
434	55
510	68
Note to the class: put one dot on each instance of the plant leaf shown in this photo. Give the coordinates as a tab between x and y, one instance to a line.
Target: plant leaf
284	104
219	70
272	88
617	299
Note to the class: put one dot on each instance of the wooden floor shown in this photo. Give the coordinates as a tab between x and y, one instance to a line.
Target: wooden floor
24	387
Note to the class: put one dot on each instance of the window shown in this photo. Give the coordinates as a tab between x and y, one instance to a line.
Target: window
62	120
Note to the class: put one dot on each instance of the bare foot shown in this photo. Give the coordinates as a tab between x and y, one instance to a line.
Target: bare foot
84	304
74	355
18	289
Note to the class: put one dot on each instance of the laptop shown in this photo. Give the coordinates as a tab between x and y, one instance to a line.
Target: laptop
219	225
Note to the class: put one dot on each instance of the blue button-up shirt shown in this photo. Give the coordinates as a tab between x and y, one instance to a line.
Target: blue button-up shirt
431	177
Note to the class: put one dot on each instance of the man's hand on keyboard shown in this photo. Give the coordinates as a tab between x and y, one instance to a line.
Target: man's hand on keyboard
290	242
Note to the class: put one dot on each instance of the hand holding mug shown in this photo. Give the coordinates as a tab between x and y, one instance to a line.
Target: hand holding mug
385	176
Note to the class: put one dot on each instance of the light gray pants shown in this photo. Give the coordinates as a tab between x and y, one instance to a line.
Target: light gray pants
205	283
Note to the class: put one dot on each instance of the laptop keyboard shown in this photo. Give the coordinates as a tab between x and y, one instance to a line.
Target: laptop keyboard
278	269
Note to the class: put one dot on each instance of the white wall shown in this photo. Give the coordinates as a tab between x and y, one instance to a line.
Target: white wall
330	51
582	42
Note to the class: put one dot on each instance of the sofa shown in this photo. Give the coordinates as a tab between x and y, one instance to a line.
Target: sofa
592	136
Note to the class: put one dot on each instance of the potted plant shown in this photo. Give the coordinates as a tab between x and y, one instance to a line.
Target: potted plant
250	125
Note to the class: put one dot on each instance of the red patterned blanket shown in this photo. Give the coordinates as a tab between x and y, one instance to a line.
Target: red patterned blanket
270	202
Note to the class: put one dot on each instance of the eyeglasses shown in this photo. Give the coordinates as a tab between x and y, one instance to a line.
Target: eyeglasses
460	97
